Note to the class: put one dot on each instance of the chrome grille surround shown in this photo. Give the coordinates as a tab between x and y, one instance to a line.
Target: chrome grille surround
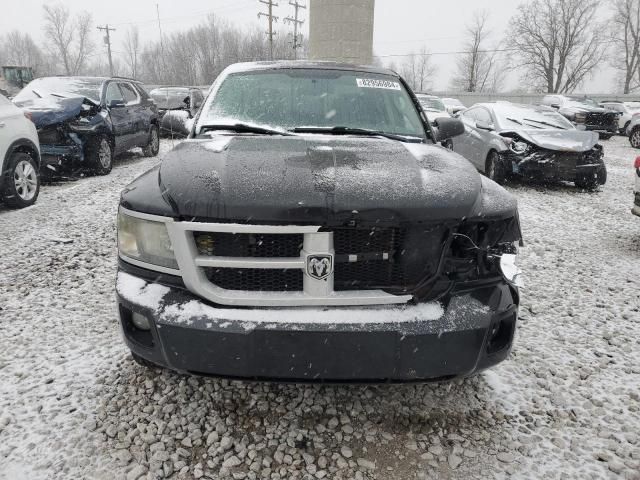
315	292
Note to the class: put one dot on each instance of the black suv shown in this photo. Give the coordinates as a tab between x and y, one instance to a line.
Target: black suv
83	122
311	229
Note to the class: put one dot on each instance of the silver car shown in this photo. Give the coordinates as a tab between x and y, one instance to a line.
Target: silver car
504	139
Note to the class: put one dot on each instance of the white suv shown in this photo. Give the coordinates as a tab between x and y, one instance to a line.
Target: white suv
19	157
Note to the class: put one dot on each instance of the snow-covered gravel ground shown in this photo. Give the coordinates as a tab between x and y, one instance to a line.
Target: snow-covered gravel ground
566	404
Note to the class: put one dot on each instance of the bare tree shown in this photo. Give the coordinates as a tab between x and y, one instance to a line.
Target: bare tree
69	37
131	47
20	49
559	42
476	68
418	70
625	34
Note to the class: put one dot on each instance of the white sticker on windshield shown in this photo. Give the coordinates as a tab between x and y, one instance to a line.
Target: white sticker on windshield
372	83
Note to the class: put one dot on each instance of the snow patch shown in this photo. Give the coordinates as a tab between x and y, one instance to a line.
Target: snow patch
217	145
184	313
136	290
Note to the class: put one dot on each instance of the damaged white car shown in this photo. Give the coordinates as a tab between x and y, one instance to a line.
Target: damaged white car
504	139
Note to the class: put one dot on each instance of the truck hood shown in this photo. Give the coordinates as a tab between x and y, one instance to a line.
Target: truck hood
325	180
51	110
561	140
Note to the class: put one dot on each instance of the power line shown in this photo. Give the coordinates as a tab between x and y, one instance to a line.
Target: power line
462	52
107	40
272	18
296	44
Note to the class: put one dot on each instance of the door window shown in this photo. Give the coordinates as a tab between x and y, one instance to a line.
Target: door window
471	114
113	93
483	115
130	95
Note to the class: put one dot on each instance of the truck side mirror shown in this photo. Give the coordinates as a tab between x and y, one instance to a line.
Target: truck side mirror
448	128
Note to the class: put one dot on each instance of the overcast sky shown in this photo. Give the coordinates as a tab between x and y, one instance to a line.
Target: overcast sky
401	26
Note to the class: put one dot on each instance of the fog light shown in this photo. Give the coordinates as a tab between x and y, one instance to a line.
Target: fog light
140	321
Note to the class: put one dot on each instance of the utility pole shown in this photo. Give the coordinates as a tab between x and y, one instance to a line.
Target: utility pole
272	18
164	66
107	40
297	40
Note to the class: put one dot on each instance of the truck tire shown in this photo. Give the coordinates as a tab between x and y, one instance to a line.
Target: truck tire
21	182
99	155
494	168
153	147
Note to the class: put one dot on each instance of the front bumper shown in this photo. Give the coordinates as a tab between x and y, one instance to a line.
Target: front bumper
557	166
59	158
468	332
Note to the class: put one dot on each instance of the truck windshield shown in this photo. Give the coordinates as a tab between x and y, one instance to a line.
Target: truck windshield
300	98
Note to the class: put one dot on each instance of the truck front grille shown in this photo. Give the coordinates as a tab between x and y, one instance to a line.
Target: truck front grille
604	120
256	245
385	271
256	280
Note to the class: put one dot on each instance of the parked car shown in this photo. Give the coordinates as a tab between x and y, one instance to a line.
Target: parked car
585	114
432	107
176	105
83	122
626	111
310	229
453	105
504	139
19	157
636	203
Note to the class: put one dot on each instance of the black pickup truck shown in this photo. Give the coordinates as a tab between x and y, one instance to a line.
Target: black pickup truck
311	229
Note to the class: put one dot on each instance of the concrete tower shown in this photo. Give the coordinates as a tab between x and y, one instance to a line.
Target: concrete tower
341	30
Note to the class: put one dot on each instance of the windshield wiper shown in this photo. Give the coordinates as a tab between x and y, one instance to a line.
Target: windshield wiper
245	128
515	121
357	131
36	92
544	123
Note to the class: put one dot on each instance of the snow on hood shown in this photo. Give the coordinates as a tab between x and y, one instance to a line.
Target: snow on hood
51	110
315	179
561	140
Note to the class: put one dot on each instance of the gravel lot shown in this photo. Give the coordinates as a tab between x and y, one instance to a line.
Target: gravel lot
73	404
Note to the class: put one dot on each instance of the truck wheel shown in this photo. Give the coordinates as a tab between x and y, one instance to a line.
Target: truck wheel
152	149
21	181
494	168
634	138
99	155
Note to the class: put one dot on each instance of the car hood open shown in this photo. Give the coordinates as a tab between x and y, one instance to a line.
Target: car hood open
560	140
316	180
51	110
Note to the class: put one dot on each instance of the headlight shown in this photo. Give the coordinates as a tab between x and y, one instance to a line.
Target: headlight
510	270
146	241
580	117
519	147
